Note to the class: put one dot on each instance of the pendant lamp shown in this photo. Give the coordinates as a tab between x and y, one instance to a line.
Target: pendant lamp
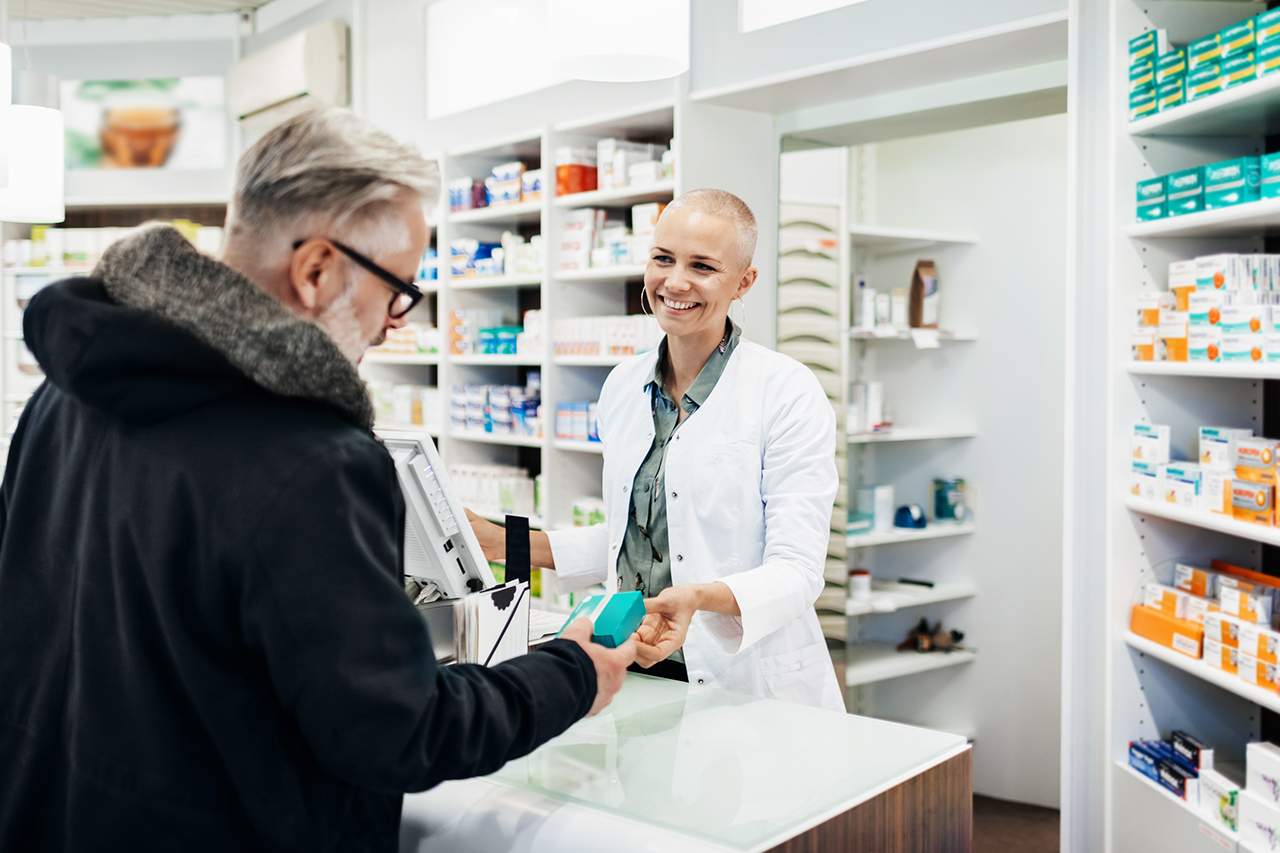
36	160
619	41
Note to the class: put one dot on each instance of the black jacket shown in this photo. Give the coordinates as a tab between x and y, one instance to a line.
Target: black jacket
204	640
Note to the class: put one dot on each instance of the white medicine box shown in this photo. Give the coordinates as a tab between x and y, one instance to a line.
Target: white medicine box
1150	443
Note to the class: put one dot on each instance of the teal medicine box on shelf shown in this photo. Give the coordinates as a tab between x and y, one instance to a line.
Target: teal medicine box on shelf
1149	45
1151	200
1171	66
1184	191
1237	38
1171	94
1206	51
1142	75
1204	81
1269	58
1266	28
1230	182
1240	68
1142	104
616	623
1269	176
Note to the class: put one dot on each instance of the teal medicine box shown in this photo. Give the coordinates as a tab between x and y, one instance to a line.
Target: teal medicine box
1269	176
1184	191
1204	81
616	623
1145	46
1269	58
1266	28
1142	104
1237	38
1142	75
1171	66
1171	94
1240	68
1206	51
1151	199
1230	182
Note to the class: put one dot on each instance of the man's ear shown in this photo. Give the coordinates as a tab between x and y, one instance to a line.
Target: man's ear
307	269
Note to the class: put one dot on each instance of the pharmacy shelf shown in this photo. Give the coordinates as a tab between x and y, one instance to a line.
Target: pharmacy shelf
1178	802
898	433
589	360
936	530
859	334
602	273
497	281
595	447
1253	219
620	197
1250	109
406	428
535	522
882	240
496	360
495	438
872	662
520	212
400	358
1206	520
1216	369
1200	669
889	597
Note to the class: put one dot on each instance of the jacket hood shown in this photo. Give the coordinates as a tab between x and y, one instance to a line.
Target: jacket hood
160	329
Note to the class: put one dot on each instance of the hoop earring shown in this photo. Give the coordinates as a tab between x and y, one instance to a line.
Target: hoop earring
643	293
743	322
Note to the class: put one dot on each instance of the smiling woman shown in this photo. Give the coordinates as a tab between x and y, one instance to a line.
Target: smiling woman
719	478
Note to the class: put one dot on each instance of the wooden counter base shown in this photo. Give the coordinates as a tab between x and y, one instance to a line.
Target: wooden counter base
929	813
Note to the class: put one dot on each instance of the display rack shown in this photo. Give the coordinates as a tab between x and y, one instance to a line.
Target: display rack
1152	689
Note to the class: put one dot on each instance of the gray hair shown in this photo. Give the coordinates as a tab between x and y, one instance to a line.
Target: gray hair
330	172
726	205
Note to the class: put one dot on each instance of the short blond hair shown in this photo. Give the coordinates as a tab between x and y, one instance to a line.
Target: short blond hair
726	205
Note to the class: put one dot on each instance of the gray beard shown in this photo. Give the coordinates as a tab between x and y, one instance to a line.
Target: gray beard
339	320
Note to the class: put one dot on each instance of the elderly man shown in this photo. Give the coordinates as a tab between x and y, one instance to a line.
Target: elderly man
204	640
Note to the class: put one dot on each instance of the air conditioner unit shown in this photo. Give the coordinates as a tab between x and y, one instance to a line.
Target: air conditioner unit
304	71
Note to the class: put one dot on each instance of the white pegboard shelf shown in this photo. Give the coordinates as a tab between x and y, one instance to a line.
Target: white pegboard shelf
868	663
883	240
602	273
620	197
1206	520
1200	669
497	360
520	212
1250	109
935	530
1175	802
899	433
1216	369
1252	219
422	358
495	282
595	447
893	597
495	438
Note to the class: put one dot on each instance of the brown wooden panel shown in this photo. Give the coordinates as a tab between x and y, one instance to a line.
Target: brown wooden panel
930	813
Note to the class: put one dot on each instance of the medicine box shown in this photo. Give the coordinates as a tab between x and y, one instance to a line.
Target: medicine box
1266	27
1143	103
1205	307
1256	672
1204	343
1191	751
1262	772
1202	82
1144	480
1237	38
1222	628
1143	343
1143	759
1151	201
1255	459
1150	443
1205	51
1230	182
1142	74
1259	641
1166	599
1196	581
1178	780
1149	45
1171	66
1170	94
614	624
1217	447
1180	635
1247	602
1180	485
1220	656
1238	319
1268	58
1215	272
1259	820
1220	798
1184	191
1269	170
877	502
1182	275
1239	69
531	185
1151	302
1173	333
1242	348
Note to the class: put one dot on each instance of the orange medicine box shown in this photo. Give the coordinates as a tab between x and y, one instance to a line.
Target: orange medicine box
1257	672
1158	627
1247	601
1255	459
1222	628
1260	642
1201	582
1253	502
1221	657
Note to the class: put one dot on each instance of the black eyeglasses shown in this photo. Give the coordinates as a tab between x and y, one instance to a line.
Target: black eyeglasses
407	294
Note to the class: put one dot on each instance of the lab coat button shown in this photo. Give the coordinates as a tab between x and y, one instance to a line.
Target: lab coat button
700	681
624	489
679	558
674	495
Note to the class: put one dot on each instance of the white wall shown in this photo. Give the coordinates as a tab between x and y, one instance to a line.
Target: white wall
1007	184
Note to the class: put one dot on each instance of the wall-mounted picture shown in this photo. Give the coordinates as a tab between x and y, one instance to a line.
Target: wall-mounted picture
170	123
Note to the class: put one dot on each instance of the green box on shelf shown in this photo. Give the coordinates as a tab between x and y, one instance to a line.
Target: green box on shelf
1230	182
1142	75
1269	176
1151	199
1171	94
1204	81
1142	104
1171	66
1239	69
1149	45
1237	38
1266	28
1205	51
1184	191
1269	58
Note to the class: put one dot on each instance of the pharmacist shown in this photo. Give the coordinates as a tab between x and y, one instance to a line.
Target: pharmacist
719	477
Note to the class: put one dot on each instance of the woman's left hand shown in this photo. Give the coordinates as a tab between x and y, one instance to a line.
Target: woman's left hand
665	624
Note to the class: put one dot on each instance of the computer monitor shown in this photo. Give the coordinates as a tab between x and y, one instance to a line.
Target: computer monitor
439	545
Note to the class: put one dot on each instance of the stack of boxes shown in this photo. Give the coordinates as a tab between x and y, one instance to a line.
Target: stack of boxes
477	331
1211	187
401	405
413	339
508	183
620	335
498	409
57	248
612	164
591	239
576	421
1162	78
495	489
512	255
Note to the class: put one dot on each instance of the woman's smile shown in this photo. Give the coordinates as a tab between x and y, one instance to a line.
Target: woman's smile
677	306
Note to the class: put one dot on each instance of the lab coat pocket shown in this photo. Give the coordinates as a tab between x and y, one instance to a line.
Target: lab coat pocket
792	676
724	501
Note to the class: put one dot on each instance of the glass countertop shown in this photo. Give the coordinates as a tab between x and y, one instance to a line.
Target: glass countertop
728	768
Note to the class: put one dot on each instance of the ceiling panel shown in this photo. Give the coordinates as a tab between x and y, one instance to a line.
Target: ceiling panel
50	9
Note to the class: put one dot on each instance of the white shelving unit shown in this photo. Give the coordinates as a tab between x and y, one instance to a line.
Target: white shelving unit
398	358
869	663
899	535
601	273
1251	220
1206	520
1217	370
890	597
899	433
882	240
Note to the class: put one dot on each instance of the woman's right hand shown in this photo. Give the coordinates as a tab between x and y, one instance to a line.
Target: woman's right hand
492	537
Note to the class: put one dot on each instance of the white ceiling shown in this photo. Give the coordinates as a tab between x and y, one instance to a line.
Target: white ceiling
48	9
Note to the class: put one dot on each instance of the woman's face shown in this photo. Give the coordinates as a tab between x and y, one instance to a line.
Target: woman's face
694	272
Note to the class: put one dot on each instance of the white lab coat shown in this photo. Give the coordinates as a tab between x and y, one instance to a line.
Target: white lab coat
750	479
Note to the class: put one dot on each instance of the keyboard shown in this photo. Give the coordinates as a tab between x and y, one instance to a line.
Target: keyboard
545	622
